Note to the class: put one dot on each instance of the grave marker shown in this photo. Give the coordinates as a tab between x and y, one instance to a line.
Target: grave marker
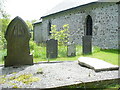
87	44
52	48
18	36
71	50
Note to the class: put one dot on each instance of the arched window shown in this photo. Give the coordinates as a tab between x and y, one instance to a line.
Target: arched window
88	25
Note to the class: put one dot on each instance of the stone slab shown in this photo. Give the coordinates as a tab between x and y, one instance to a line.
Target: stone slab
57	74
96	64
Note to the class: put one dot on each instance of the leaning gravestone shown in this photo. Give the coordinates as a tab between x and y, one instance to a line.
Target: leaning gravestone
18	36
71	50
52	48
87	44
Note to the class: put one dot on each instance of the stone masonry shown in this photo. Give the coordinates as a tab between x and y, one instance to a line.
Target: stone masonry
104	19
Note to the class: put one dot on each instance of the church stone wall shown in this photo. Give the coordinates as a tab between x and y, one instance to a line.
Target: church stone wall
38	33
105	24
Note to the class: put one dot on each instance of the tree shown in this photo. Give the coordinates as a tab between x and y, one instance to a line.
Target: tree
4	21
29	23
62	35
30	26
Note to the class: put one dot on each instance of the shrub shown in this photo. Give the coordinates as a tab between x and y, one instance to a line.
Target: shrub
37	51
61	36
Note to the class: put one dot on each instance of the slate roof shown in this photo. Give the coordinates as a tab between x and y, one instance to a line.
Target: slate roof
38	21
69	4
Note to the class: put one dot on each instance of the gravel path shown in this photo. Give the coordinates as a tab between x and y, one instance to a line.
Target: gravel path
56	74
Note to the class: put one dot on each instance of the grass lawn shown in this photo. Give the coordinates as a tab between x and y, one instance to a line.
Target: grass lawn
108	55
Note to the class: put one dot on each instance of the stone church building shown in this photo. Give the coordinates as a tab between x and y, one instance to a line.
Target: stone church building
98	19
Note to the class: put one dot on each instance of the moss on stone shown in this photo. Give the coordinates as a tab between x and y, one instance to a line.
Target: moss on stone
39	71
24	78
2	80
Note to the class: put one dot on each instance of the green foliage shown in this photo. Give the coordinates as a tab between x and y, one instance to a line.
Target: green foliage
33	45
29	24
78	50
62	51
4	21
37	51
2	54
62	35
96	49
3	26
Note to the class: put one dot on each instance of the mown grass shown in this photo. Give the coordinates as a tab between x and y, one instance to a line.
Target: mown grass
110	55
39	54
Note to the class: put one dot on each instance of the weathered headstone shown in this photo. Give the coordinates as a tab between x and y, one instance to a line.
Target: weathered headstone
18	36
71	50
87	44
52	48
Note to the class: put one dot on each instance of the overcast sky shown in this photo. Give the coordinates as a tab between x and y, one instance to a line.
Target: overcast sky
29	9
32	9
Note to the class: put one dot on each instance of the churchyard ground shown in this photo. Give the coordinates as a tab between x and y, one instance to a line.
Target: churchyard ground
108	55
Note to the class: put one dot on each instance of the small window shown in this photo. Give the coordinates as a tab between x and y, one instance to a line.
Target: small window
49	28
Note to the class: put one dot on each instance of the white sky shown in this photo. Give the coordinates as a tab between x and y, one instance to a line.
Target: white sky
29	9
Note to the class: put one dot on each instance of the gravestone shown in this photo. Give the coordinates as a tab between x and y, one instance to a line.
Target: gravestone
87	44
52	48
18	36
71	50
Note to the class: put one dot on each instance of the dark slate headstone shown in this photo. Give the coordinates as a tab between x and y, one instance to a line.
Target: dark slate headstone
87	44
52	48
71	50
18	36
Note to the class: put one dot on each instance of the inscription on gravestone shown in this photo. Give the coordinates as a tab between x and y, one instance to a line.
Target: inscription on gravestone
87	44
18	36
52	48
71	50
